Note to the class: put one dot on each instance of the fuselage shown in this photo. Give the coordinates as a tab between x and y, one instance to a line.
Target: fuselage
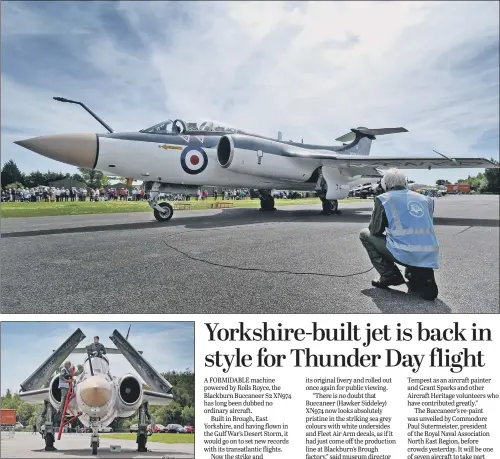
99	396
192	160
189	157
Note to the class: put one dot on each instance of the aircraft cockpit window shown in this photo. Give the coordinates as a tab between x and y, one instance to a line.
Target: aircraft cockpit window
168	127
99	365
161	128
214	126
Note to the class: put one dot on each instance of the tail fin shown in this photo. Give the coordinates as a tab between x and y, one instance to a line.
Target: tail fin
361	139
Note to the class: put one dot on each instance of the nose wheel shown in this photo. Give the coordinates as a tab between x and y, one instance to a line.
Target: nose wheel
166	212
95	445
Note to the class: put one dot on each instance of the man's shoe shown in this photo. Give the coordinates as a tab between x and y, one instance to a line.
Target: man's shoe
421	281
386	282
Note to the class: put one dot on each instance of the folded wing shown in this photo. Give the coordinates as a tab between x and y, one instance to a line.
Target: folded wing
141	365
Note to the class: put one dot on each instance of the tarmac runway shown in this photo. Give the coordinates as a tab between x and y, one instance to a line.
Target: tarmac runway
27	445
219	261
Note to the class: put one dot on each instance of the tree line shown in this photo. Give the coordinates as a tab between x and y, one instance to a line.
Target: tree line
12	177
484	182
179	411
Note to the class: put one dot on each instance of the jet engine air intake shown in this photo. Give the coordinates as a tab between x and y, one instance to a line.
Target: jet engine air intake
55	392
130	390
225	151
259	157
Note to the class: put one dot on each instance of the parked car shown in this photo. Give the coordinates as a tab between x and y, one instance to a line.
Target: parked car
159	428
189	429
105	429
175	428
134	428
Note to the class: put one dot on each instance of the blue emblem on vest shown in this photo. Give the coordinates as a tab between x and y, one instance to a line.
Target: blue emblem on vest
410	235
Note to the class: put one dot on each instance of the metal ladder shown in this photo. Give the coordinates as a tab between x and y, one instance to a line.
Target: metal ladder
69	396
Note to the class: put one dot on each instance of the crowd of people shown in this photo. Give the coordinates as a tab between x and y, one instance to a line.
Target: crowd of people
52	194
73	194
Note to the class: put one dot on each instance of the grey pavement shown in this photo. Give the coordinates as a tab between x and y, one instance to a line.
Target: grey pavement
27	445
129	263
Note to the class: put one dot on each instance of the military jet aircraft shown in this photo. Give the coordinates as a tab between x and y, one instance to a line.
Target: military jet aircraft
177	157
97	397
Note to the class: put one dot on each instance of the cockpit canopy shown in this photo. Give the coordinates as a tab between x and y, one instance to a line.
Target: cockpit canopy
184	127
99	365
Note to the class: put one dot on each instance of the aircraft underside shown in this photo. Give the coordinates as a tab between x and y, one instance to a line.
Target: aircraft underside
163	211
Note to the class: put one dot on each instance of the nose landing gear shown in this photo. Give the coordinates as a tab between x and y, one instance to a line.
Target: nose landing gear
162	211
94	439
165	214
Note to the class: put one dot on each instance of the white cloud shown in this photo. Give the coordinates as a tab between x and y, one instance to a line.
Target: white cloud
311	70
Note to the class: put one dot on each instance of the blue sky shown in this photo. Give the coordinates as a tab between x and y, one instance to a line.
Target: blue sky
25	345
311	70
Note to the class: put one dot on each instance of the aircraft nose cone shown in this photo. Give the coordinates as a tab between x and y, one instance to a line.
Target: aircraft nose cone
95	392
75	149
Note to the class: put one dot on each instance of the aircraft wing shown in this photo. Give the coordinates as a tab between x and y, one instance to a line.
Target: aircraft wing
39	377
141	365
157	398
35	396
409	162
329	158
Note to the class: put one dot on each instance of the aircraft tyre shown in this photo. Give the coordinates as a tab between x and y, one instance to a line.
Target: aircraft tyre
94	448
49	442
267	204
164	216
141	443
330	206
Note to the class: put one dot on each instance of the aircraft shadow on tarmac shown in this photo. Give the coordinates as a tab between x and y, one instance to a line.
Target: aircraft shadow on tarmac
242	217
123	454
397	302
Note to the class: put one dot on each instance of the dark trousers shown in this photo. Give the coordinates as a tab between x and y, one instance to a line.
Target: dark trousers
382	260
64	393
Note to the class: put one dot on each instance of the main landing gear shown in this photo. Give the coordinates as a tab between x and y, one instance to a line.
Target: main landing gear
142	433
47	420
330	207
266	200
162	211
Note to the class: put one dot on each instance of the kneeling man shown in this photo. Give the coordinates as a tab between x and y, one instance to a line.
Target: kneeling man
409	240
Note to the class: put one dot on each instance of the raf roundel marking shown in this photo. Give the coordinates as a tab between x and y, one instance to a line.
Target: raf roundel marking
416	209
194	160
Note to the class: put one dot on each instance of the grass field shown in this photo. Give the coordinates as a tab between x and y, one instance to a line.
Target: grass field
50	209
157	437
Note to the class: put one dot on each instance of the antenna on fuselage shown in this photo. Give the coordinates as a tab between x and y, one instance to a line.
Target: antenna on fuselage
128	331
280	135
